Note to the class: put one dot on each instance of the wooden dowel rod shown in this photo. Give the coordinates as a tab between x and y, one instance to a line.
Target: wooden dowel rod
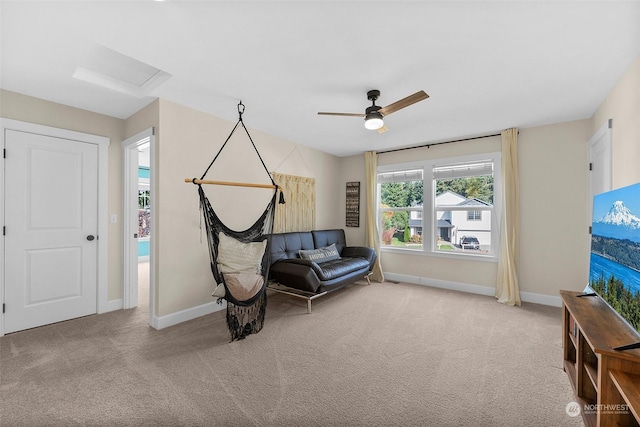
235	184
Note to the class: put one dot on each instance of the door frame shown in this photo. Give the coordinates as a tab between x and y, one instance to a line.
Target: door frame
103	226
603	135
130	248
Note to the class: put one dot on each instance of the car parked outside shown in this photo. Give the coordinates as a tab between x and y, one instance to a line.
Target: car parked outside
469	242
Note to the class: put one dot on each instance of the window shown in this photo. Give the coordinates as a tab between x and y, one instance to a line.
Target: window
400	208
144	212
441	206
474	215
144	199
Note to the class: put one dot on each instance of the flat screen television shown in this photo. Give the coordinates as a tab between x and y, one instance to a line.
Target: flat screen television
614	267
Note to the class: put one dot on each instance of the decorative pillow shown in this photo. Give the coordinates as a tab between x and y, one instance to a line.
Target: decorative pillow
235	256
243	286
325	254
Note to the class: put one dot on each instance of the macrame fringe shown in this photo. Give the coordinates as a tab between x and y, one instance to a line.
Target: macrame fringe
246	320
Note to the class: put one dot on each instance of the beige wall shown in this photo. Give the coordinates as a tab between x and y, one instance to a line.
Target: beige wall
553	211
188	141
144	119
554	220
552	177
352	170
622	105
33	110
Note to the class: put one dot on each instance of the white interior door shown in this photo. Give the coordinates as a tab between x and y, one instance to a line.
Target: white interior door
51	219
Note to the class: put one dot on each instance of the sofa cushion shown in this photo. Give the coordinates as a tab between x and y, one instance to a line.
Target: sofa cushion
325	254
287	245
323	238
332	269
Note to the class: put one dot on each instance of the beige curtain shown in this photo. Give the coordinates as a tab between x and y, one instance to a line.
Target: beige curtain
299	211
372	238
507	291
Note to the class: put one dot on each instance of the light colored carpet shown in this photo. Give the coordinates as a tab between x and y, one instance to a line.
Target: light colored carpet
380	355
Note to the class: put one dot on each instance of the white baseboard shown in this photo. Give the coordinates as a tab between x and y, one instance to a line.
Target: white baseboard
161	322
541	299
472	289
113	305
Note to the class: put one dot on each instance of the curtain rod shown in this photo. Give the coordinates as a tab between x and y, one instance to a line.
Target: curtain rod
437	143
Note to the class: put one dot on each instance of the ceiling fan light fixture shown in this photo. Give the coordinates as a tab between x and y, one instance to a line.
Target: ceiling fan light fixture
373	119
373	116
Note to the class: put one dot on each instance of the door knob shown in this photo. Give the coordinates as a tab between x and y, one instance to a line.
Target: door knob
90	237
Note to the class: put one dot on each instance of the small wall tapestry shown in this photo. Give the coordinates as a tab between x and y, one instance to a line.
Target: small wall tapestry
353	204
299	213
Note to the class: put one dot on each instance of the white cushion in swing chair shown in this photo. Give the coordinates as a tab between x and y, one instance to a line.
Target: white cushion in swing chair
235	256
243	286
241	264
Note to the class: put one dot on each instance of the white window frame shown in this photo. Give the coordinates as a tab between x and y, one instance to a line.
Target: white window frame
409	209
429	225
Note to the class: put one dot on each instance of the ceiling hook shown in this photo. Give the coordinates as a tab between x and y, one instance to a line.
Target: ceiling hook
240	109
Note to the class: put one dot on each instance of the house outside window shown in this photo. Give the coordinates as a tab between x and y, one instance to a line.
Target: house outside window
456	214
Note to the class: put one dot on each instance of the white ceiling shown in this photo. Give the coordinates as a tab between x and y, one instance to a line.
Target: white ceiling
486	65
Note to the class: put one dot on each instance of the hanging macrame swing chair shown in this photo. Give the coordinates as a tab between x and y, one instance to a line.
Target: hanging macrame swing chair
240	260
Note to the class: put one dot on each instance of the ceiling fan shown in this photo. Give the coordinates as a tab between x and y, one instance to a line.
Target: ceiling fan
373	115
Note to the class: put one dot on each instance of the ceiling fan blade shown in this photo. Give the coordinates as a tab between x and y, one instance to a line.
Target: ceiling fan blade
341	114
383	129
405	102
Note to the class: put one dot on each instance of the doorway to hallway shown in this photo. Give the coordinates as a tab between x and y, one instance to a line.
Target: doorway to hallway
139	221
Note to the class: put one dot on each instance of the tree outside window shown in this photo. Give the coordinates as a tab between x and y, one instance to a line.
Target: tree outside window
144	213
401	200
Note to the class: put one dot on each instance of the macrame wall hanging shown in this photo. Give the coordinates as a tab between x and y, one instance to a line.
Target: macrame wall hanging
299	214
240	260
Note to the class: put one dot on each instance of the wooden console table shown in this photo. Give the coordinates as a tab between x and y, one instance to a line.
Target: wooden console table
606	382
